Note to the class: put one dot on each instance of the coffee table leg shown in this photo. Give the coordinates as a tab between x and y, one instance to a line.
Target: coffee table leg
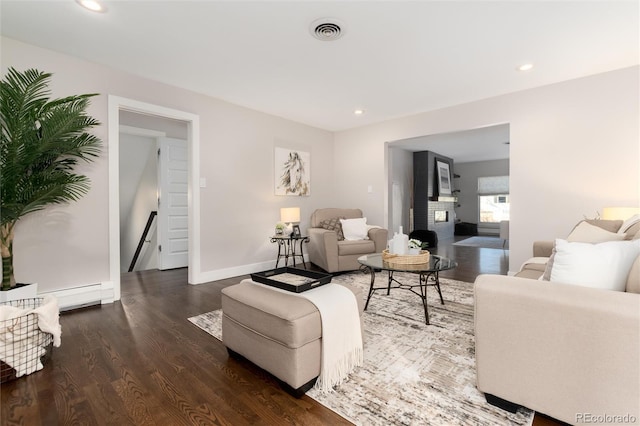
389	283
437	285
423	295
373	279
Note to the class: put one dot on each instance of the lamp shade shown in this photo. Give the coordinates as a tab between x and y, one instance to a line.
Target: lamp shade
619	213
290	214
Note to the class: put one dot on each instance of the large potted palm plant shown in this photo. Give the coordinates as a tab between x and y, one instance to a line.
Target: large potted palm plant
42	141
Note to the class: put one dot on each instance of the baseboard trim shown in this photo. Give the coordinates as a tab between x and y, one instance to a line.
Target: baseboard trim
236	271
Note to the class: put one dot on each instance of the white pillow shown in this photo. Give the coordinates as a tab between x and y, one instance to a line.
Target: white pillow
603	265
584	232
354	229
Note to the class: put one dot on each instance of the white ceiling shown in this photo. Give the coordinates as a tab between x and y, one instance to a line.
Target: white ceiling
484	144
396	58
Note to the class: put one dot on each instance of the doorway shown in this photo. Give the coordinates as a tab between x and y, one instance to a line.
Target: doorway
153	167
116	106
482	151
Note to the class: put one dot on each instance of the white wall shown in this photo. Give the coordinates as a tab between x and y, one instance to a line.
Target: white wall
68	246
574	149
400	190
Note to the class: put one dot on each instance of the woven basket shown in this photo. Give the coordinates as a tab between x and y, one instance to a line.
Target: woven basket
38	349
408	259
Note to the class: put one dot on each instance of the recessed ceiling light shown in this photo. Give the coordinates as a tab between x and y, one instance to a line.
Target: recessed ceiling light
92	5
525	67
358	111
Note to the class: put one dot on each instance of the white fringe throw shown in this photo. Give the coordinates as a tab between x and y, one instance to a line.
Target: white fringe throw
341	334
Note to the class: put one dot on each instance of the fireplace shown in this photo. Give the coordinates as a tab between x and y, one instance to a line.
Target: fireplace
441	216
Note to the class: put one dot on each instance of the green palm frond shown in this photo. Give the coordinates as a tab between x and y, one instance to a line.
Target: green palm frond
42	140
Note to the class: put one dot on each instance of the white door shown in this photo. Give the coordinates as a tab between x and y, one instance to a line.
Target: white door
172	204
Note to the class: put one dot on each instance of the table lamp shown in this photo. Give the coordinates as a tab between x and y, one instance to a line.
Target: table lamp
290	215
619	213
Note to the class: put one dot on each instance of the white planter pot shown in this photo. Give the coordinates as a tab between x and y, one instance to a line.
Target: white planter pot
27	291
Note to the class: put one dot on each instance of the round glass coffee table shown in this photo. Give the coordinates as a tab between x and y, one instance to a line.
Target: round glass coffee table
428	273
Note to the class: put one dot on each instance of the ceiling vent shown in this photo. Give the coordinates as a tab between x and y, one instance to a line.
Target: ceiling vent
327	29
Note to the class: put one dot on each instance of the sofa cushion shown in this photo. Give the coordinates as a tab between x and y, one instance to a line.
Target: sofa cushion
633	281
346	248
530	273
354	229
533	268
333	225
603	265
585	232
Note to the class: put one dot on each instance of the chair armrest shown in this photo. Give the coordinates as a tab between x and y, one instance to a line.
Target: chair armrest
543	248
323	248
380	238
557	349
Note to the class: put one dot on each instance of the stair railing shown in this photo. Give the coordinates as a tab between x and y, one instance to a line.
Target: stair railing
143	239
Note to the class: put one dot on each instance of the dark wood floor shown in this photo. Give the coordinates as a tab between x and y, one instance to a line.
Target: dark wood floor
139	362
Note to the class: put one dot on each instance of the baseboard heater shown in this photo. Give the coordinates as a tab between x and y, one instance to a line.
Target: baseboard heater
83	296
84	305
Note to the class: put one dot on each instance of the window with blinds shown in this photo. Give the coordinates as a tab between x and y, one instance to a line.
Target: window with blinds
493	199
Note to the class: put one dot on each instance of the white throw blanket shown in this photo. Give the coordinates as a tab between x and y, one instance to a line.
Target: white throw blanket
20	345
341	334
342	349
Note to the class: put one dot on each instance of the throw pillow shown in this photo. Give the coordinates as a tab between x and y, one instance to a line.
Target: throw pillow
589	231
584	232
633	281
354	229
606	224
632	231
629	223
547	270
333	224
603	265
630	227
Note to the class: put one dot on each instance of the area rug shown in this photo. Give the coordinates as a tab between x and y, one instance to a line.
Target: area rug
413	373
483	242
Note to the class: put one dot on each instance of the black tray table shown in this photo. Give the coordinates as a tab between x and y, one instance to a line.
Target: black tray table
292	279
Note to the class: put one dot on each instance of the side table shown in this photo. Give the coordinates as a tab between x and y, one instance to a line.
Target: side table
290	246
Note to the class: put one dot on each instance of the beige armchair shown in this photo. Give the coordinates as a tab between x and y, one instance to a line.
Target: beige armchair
333	254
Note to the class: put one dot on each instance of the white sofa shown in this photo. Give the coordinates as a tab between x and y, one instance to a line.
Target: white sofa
565	350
